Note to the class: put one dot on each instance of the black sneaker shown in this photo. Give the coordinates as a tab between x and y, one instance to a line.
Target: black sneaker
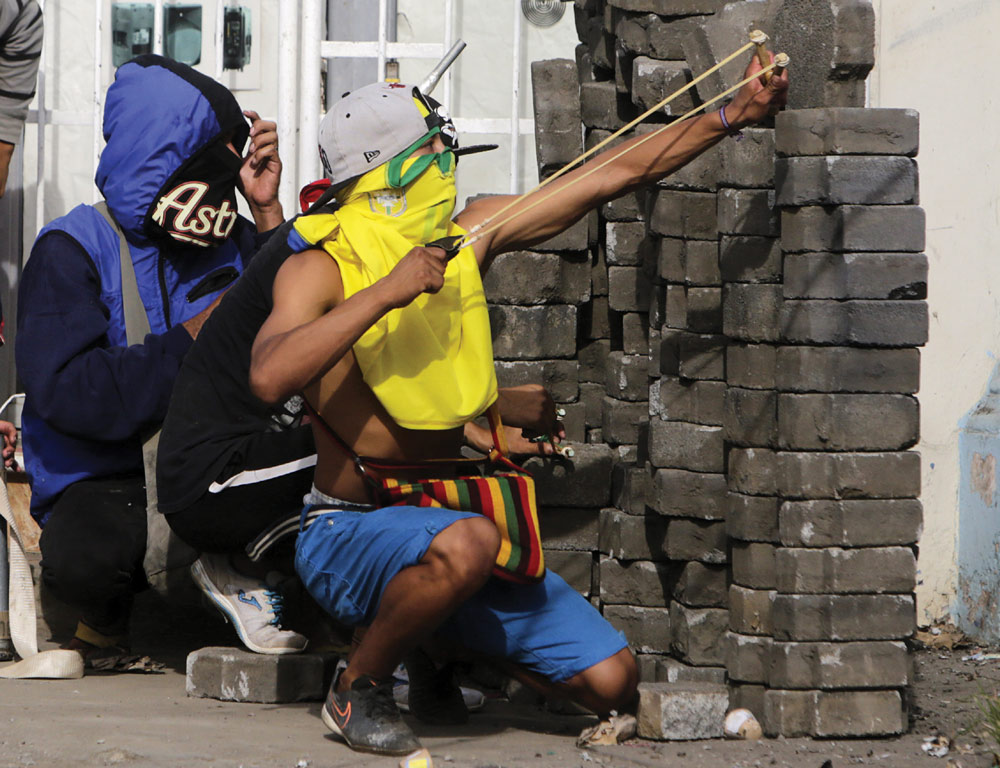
434	697
366	718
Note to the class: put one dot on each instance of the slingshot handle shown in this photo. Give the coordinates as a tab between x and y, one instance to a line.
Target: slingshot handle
759	38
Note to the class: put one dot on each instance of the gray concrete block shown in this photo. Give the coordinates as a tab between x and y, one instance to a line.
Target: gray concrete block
698	634
583	481
675	306
753	564
846	369
233	674
621	242
750	259
752	518
870	570
750	610
628	289
628	537
751	417
639	582
627	377
748	657
680	711
701	585
672	258
592	399
670	670
575	238
684	214
532	333
523	277
842	422
860	713
747	212
679	493
789	713
751	366
646	34
701	263
844	228
622	422
601	105
748	163
704	309
646	629
701	356
635	335
701	174
669	7
869	323
752	312
839	665
629	207
843	617
747	696
592	359
856	276
843	180
654	80
850	523
679	445
861	131
575	422
569	528
555	90
630	484
598	272
813	475
699	402
559	377
584	64
701	540
574	567
753	471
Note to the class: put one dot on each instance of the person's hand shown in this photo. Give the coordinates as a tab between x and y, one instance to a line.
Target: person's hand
9	432
530	407
260	173
481	439
421	270
6	153
755	101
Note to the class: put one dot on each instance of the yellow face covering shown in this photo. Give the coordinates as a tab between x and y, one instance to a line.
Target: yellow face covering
430	363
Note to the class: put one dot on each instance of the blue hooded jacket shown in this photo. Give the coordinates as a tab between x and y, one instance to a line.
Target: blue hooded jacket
90	397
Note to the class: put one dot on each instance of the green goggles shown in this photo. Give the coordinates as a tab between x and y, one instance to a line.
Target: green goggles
398	179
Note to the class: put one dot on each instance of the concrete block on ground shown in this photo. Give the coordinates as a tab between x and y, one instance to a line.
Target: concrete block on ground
680	493
845	228
749	163
621	242
752	312
681	711
630	487
855	276
753	471
635	335
646	629
583	481
747	212
636	583
601	106
555	90
701	356
812	475
789	713
623	422
701	540
748	657
747	696
675	308
684	214
698	634
698	585
233	674
751	417
850	523
627	377
750	259
570	528
559	377
839	571
680	445
698	402
632	537
595	322
592	399
861	131
592	359
860	713
704	309
628	289
701	262
867	323
532	333
847	422
750	610
839	665
653	80
839	180
843	617
754	564
751	366
645	34
752	518
669	670
845	369
525	277
576	568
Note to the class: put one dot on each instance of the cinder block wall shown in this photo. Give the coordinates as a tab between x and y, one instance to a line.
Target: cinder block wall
736	347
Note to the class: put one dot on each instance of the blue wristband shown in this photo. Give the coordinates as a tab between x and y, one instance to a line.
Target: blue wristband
738	135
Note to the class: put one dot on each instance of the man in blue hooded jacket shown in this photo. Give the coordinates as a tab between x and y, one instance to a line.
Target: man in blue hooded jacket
169	174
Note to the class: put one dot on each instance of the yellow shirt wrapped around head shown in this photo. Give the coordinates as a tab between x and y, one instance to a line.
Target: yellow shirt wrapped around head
429	363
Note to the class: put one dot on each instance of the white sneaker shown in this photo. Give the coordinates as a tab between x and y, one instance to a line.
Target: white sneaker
253	608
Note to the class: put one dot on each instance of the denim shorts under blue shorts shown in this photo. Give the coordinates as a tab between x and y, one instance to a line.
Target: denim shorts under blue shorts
346	558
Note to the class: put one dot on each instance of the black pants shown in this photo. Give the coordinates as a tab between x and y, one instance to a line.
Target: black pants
93	545
263	483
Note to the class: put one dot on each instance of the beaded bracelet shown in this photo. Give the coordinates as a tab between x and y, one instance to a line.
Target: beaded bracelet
737	134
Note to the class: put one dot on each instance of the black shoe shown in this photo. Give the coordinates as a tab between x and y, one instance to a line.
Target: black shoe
434	696
366	718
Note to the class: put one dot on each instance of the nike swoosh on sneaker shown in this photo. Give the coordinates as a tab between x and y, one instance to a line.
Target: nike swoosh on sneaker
242	597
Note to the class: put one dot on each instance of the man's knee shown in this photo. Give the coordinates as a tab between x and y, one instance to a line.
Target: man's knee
465	551
610	684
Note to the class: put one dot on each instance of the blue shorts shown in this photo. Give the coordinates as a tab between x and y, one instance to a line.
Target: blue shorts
346	558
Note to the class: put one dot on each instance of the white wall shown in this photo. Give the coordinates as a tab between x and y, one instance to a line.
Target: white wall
937	57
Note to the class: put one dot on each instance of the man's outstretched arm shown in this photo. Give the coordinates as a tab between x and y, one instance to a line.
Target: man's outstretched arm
580	191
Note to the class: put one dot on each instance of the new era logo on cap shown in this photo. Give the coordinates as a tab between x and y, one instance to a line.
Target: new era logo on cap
372	154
